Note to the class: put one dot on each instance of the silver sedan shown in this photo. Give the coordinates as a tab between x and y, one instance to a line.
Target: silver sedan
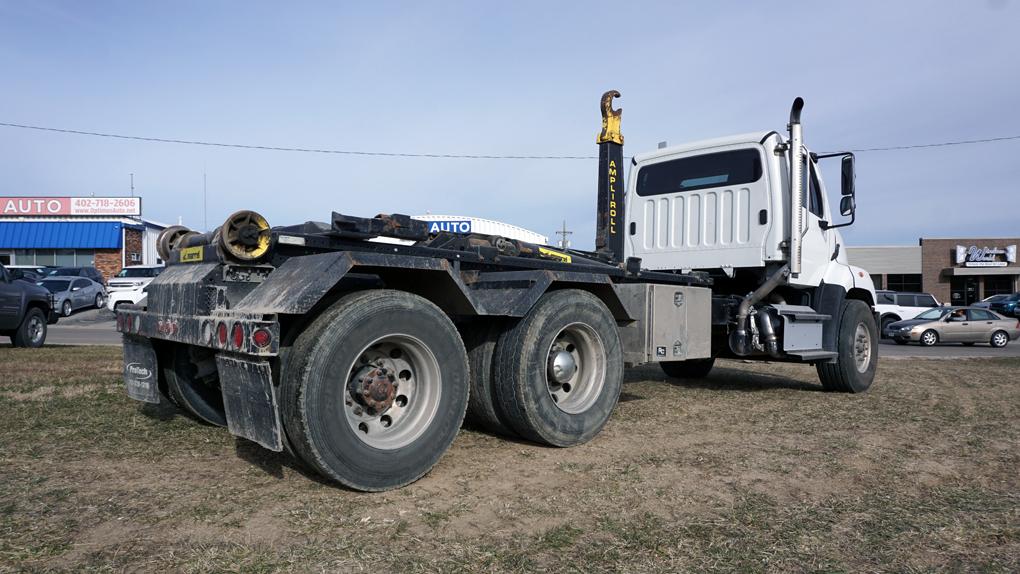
73	293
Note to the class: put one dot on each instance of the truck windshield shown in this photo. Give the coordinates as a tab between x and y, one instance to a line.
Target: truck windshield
138	272
55	286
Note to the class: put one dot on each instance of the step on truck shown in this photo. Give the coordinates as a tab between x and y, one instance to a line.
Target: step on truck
360	356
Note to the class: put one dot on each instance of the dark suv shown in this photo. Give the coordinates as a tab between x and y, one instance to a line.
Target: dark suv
25	310
1008	306
90	272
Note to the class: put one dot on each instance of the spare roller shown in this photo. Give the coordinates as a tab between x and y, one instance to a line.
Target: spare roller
245	236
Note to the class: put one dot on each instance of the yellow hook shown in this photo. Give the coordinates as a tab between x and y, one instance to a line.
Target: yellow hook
610	119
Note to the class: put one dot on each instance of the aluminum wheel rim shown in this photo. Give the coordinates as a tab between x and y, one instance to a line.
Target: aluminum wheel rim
999	339
929	338
35	329
418	382
578	392
862	348
66	309
99	301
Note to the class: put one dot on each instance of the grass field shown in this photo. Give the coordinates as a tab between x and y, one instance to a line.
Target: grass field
751	469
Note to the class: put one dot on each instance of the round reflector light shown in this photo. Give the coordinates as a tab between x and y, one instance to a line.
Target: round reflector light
262	338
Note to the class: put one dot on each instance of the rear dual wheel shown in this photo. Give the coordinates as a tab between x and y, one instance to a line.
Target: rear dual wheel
193	383
559	370
375	389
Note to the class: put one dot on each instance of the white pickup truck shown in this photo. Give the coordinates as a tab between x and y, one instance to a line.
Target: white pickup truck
128	286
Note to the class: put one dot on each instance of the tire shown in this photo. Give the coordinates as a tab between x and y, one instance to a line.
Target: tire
929	338
857	344
886	321
193	384
335	429
65	309
999	339
692	369
571	412
100	300
32	331
483	409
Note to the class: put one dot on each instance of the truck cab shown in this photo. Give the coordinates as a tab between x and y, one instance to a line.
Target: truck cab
751	210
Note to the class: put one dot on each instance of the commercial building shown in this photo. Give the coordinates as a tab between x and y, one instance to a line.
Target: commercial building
957	271
107	232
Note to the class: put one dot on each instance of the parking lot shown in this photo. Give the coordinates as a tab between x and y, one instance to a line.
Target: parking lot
751	469
94	327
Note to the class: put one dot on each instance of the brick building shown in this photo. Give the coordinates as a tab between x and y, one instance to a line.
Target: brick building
108	233
957	271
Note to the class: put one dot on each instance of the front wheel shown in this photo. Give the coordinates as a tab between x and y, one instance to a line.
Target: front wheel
65	309
375	389
854	368
929	338
32	331
100	301
999	339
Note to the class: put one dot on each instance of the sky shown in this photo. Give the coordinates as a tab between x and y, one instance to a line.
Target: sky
507	78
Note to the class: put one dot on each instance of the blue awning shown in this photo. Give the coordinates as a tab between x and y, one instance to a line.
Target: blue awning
60	234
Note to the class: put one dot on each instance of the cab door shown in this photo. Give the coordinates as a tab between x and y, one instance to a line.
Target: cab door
10	301
816	243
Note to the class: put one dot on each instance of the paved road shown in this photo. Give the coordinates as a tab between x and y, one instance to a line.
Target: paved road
104	333
946	351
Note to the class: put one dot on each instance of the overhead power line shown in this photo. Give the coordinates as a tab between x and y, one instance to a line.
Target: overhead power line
429	155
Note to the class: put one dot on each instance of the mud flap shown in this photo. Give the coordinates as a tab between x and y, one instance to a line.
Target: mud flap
249	400
140	370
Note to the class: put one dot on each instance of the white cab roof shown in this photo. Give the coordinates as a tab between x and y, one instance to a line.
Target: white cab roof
752	137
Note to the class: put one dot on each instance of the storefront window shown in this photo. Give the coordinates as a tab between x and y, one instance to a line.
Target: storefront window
65	257
1001	285
45	257
905	282
24	257
85	257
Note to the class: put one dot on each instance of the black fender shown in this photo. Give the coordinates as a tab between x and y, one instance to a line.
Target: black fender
302	283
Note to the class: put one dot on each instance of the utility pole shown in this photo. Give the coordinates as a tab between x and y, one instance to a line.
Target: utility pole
132	185
205	204
563	233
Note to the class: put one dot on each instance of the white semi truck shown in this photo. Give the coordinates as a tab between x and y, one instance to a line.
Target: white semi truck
361	357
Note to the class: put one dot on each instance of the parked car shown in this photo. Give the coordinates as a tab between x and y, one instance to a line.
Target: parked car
72	293
90	272
967	325
986	303
893	306
129	285
25	310
31	273
1010	306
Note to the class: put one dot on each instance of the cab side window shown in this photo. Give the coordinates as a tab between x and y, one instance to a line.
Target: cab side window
926	301
80	283
814	193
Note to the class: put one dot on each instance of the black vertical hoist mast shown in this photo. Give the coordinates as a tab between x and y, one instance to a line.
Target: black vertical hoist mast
609	232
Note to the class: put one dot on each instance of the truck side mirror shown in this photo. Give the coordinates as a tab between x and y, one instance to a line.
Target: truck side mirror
846	205
847	179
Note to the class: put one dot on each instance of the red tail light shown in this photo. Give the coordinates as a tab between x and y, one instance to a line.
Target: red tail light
238	335
221	334
262	338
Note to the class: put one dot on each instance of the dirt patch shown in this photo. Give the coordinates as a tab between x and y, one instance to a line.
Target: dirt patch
751	469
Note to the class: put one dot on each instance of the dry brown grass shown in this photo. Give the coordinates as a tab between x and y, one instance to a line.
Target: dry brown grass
752	469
